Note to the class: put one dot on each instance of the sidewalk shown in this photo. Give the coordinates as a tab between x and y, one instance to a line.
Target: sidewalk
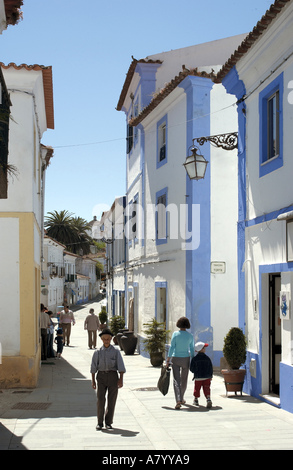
61	413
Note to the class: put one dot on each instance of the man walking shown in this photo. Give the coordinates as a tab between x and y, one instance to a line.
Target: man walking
92	324
107	362
66	318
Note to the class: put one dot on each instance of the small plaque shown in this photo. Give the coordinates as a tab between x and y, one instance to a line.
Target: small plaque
218	267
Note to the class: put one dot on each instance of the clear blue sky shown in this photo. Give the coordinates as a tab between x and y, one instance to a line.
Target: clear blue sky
89	45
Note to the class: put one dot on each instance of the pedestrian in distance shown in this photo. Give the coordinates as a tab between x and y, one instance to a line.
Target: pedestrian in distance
180	353
202	368
59	341
50	333
92	324
108	364
66	318
44	325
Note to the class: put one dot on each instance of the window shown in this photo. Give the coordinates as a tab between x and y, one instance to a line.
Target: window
161	216
162	142
271	127
129	138
4	131
132	226
161	302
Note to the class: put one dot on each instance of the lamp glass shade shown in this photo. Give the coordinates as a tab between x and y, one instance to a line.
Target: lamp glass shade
195	165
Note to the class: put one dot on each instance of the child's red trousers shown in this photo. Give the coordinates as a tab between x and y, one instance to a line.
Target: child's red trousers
205	384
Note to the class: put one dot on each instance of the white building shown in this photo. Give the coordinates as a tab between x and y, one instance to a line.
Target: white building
53	274
86	266
260	75
181	234
113	233
21	219
70	287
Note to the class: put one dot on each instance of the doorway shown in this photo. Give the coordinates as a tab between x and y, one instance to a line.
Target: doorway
275	337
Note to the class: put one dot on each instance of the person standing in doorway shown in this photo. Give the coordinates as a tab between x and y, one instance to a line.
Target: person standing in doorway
44	325
180	353
66	318
107	362
92	325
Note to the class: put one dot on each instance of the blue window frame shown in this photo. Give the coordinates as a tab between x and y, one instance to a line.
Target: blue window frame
162	141
271	126
161	216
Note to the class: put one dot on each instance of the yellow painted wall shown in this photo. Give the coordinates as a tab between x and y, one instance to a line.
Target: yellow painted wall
23	370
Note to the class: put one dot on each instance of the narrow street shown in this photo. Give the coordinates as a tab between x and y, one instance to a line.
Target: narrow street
61	413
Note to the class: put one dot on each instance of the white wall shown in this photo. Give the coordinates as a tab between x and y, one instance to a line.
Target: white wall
9	286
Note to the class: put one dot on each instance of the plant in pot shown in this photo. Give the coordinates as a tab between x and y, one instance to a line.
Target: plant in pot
234	351
103	316
155	341
116	323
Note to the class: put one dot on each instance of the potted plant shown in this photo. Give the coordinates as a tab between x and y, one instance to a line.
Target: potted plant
116	323
103	316
234	351
155	341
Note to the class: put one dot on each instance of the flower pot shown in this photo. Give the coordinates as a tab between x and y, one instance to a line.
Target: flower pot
128	342
156	359
119	335
234	379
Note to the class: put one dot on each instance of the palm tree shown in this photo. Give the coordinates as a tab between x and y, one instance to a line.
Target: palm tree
82	229
70	231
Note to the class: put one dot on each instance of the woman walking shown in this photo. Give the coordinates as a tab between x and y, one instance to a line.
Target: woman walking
180	353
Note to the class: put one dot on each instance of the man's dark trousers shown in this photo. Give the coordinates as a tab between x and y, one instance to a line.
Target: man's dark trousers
107	382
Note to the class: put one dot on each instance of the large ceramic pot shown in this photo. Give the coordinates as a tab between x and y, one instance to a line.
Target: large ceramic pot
156	359
128	342
119	335
234	379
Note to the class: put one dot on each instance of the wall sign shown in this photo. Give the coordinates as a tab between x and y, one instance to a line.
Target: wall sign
218	267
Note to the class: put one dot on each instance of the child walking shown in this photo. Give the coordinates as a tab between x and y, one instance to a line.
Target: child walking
59	342
202	368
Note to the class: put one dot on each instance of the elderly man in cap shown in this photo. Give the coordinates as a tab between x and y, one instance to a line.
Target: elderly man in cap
107	362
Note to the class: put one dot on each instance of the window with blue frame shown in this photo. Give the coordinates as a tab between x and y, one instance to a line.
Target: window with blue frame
271	126
162	139
161	216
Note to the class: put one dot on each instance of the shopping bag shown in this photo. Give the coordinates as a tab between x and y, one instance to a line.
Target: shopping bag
164	380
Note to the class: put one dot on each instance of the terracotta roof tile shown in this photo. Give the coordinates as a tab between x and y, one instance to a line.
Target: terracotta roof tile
12	11
164	92
252	37
48	87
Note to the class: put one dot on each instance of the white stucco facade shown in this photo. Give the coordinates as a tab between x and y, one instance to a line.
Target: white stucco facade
21	226
168	275
262	82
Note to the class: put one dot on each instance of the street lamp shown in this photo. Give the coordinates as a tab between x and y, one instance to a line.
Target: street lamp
195	164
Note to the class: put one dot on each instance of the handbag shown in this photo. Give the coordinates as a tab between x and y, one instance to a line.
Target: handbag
164	380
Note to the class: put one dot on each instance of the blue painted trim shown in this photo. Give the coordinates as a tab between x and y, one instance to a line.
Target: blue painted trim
267	166
253	386
159	163
147	72
267	217
161	241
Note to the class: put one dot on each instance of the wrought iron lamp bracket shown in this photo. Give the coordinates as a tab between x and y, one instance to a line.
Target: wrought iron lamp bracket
224	141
